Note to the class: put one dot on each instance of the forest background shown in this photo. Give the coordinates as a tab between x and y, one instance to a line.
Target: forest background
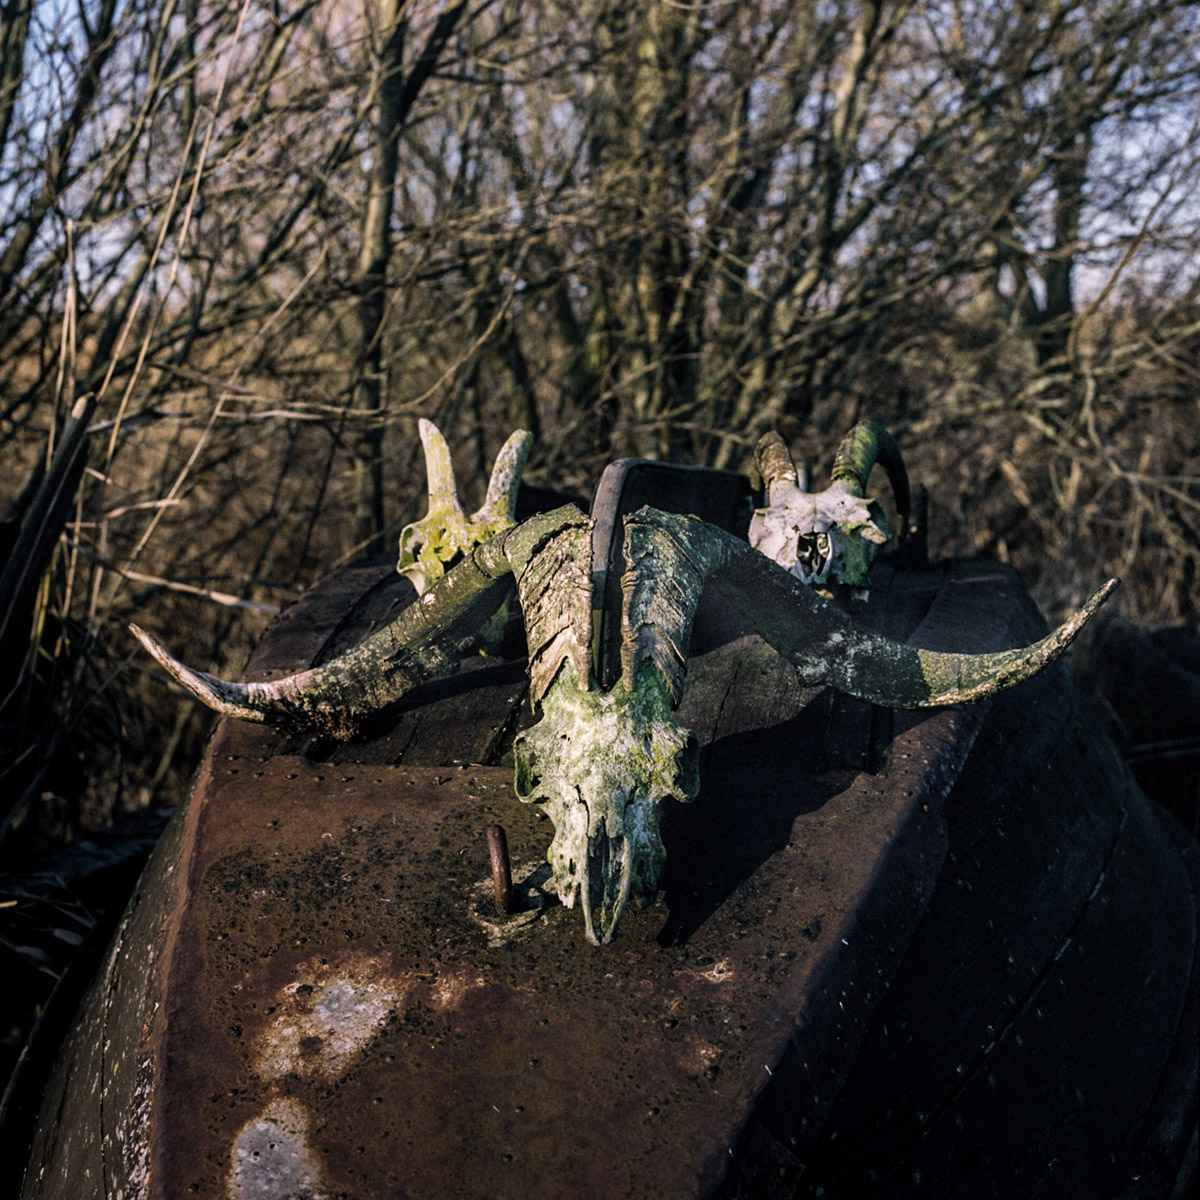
244	245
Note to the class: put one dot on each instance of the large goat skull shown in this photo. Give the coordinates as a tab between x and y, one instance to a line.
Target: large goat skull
603	761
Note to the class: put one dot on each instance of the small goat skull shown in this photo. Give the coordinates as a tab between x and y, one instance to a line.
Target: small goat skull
446	533
830	536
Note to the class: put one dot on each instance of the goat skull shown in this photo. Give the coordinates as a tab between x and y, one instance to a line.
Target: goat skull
602	763
830	536
445	533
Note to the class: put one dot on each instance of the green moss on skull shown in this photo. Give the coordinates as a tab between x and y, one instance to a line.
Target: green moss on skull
601	763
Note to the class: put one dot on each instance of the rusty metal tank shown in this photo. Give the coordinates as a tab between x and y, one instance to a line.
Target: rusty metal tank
942	954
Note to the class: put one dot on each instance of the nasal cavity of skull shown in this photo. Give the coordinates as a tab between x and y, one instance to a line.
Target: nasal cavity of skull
418	547
448	563
813	549
587	812
602	853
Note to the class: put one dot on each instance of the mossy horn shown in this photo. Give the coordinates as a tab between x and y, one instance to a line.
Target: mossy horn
818	638
423	641
866	445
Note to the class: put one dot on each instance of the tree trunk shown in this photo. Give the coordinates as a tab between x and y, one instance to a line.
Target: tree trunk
1069	172
395	93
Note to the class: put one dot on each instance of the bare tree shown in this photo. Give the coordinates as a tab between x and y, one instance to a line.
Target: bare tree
247	245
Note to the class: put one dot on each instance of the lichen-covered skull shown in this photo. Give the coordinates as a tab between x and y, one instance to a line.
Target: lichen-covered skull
602	763
446	533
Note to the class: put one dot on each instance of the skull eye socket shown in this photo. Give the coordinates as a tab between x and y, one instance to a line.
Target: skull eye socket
812	550
814	553
528	777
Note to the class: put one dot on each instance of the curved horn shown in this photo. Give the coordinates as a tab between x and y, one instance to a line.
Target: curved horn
900	676
500	503
661	588
423	640
820	640
555	589
776	467
866	445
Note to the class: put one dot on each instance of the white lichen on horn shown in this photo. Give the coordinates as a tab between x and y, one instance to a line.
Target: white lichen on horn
661	588
445	533
830	536
827	647
555	590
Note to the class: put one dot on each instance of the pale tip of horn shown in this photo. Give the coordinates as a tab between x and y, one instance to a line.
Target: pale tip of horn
501	498
990	673
1070	628
1056	642
221	697
439	470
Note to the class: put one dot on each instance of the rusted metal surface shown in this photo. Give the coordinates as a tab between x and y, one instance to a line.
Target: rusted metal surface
313	995
332	1004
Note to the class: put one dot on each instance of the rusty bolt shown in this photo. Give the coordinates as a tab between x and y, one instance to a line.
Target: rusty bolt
501	870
